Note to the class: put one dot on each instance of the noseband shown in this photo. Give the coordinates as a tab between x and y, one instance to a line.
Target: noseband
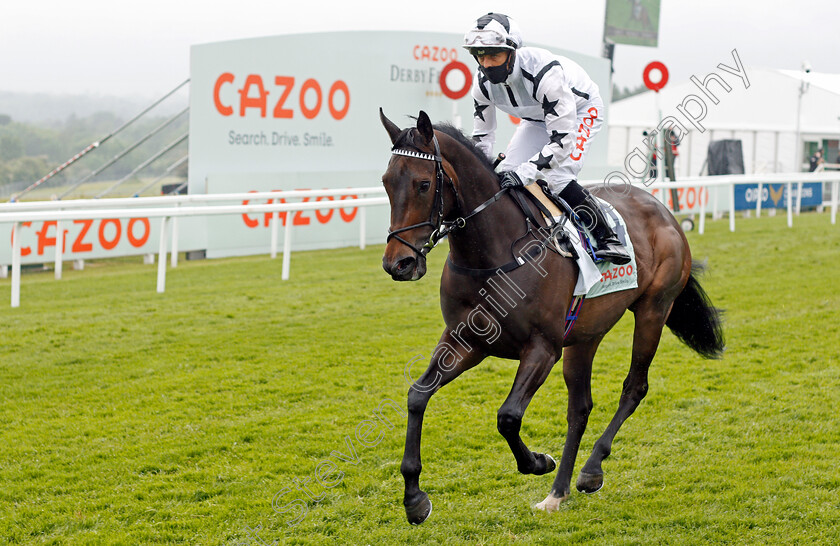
440	227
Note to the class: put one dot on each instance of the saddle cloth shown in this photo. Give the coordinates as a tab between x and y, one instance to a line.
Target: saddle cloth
602	278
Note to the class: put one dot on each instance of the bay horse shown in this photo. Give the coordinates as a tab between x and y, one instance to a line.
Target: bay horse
495	303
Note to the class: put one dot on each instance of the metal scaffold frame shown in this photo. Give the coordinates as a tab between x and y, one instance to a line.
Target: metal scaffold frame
98	143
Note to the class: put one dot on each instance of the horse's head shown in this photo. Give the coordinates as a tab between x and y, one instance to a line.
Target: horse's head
414	182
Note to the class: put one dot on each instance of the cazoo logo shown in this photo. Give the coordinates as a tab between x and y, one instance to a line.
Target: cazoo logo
253	93
84	236
434	53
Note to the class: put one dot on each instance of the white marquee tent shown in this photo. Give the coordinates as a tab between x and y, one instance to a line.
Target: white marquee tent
757	106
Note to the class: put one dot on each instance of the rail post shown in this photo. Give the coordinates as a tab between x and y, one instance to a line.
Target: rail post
59	249
16	264
732	206
275	219
173	258
362	227
161	276
287	251
789	204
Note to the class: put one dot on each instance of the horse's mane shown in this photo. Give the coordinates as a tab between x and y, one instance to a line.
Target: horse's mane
406	138
466	142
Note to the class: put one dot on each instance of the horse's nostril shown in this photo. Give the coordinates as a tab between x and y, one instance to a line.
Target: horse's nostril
404	264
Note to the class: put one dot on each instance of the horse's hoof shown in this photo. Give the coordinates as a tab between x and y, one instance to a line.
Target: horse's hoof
550	464
589	483
419	512
551	503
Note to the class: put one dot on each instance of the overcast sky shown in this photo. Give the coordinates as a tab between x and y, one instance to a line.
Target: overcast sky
142	49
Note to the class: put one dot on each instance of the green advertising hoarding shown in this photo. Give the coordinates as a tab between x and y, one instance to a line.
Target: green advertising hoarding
633	22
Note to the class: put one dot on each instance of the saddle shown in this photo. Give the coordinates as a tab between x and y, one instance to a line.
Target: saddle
555	213
546	198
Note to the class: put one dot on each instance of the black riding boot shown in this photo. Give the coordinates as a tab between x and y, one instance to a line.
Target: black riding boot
590	213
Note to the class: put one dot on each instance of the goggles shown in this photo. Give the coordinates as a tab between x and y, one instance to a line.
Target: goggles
485	38
481	51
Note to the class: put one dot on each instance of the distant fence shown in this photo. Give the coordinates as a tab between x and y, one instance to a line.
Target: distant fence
707	192
169	209
791	183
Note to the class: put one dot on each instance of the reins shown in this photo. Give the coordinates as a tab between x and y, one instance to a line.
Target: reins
441	228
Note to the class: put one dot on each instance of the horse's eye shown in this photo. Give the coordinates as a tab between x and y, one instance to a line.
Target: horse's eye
424	186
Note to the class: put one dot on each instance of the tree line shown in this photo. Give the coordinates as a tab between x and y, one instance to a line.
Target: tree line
619	93
28	151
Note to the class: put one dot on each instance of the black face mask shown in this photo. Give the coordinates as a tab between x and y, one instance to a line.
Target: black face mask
498	74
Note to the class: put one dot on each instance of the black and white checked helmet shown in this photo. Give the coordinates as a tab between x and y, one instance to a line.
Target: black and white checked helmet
493	31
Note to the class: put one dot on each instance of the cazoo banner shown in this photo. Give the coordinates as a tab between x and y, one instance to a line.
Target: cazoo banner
298	112
302	112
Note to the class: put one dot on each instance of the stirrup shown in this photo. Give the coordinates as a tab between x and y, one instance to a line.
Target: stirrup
612	252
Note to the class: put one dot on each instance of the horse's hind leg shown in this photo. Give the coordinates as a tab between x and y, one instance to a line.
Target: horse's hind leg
577	372
650	319
534	366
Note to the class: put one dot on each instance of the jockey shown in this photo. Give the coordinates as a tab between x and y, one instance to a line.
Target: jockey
560	110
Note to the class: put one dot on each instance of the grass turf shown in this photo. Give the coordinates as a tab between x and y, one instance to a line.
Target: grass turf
130	417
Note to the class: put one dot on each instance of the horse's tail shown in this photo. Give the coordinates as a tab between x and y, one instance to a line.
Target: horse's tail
695	321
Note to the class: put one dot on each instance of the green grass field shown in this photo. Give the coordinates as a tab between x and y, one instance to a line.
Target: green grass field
131	417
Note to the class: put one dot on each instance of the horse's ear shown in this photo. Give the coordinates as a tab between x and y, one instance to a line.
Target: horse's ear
390	126
424	126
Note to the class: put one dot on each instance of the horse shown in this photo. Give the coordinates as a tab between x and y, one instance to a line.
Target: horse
495	303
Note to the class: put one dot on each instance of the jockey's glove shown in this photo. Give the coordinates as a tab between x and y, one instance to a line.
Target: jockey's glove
509	179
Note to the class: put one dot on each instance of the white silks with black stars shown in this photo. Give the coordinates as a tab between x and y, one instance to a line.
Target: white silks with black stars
560	109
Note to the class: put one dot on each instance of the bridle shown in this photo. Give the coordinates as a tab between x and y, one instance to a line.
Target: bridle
436	221
440	227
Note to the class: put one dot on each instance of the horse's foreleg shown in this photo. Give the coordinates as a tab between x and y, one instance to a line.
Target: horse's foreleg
577	372
535	364
448	362
646	335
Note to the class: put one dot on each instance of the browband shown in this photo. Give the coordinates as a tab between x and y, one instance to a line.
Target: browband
436	157
418	155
